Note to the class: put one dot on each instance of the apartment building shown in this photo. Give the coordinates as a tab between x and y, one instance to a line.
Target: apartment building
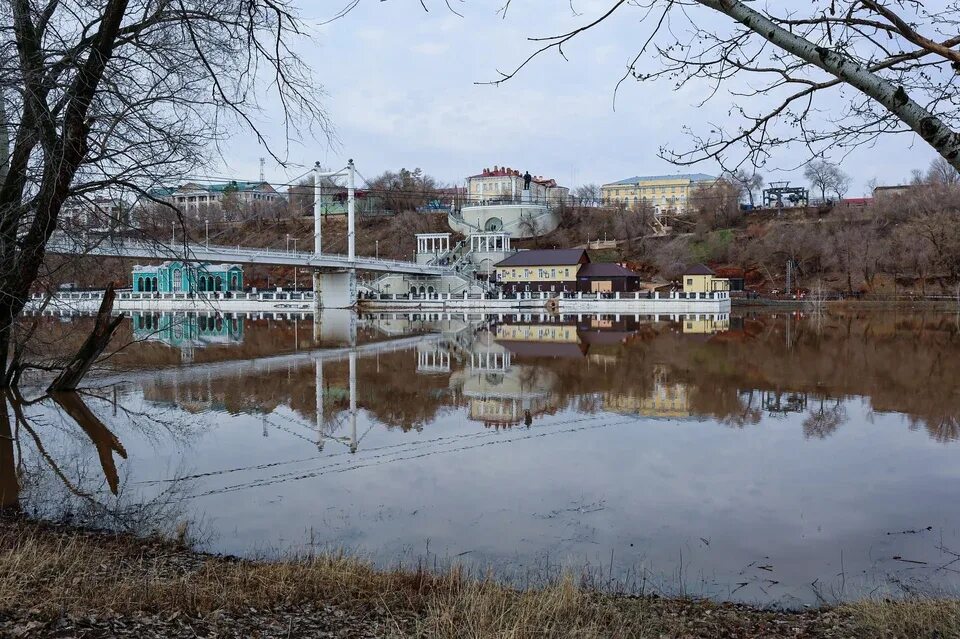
665	193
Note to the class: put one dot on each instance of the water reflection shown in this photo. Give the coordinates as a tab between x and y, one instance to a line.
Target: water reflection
732	442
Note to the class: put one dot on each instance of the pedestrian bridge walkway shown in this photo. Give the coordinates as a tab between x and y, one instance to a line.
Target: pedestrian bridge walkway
114	247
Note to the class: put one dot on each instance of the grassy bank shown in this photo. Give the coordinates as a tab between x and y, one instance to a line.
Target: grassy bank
62	582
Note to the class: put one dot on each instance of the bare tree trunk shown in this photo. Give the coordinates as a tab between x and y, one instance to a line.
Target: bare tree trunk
9	484
70	377
101	436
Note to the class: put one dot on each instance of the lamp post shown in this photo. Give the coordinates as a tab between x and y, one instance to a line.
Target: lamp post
377	245
288	242
206	233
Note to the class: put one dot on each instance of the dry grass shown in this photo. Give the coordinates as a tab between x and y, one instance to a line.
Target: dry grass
55	572
920	619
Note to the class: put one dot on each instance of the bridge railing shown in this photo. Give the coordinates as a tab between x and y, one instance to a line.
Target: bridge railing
122	246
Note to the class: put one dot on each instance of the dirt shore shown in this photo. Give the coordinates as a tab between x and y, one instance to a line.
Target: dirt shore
61	582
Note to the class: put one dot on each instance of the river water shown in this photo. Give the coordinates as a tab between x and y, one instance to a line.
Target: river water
781	459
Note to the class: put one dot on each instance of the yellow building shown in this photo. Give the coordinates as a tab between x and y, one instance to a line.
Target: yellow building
541	270
700	279
665	193
666	399
706	323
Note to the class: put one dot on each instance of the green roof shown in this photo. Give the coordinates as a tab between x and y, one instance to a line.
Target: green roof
693	177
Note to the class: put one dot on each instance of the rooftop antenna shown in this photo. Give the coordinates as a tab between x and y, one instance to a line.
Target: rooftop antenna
262	162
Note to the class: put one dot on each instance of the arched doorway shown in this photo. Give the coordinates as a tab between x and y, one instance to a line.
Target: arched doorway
153	284
202	285
422	290
233	282
218	284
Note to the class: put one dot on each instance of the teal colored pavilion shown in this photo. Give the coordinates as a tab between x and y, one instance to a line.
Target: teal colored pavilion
189	330
180	277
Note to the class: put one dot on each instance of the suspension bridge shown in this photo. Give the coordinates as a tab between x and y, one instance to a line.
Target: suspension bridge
334	275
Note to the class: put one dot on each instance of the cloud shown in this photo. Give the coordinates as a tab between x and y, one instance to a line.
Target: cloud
403	86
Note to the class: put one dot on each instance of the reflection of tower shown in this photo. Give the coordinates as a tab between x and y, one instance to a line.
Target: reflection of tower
319	391
353	401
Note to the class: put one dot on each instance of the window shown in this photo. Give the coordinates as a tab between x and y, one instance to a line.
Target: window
689	281
177	280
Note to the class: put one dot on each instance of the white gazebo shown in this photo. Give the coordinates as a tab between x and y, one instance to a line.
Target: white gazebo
490	242
432	243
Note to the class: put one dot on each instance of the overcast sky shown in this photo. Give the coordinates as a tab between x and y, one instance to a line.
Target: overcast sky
402	92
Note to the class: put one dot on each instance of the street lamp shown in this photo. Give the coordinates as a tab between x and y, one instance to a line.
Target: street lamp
377	244
206	232
288	242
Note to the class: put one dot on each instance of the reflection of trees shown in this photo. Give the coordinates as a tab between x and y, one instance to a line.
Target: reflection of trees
900	362
824	418
945	429
52	485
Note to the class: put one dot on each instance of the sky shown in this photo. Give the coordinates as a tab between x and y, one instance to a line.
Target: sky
403	90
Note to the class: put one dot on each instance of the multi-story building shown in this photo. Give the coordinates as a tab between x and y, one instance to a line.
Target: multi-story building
505	184
664	193
97	214
197	199
568	270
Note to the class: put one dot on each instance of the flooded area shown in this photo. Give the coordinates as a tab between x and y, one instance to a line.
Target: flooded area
782	459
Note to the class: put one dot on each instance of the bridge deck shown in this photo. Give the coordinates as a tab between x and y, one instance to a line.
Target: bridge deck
239	255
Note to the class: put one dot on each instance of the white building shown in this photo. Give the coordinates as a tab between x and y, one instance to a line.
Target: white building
503	184
96	214
195	199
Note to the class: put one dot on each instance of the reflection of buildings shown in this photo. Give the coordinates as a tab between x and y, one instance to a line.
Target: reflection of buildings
507	398
563	338
666	399
188	330
706	324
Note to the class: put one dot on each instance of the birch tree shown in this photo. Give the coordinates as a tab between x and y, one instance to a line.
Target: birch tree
892	64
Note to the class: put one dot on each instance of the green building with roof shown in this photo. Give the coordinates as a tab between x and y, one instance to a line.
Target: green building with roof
181	277
191	330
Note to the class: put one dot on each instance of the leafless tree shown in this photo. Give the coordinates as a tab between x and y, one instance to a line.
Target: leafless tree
587	194
104	95
942	172
404	190
750	182
891	64
826	177
716	204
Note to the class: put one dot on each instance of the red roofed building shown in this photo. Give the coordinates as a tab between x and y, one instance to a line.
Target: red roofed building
504	183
